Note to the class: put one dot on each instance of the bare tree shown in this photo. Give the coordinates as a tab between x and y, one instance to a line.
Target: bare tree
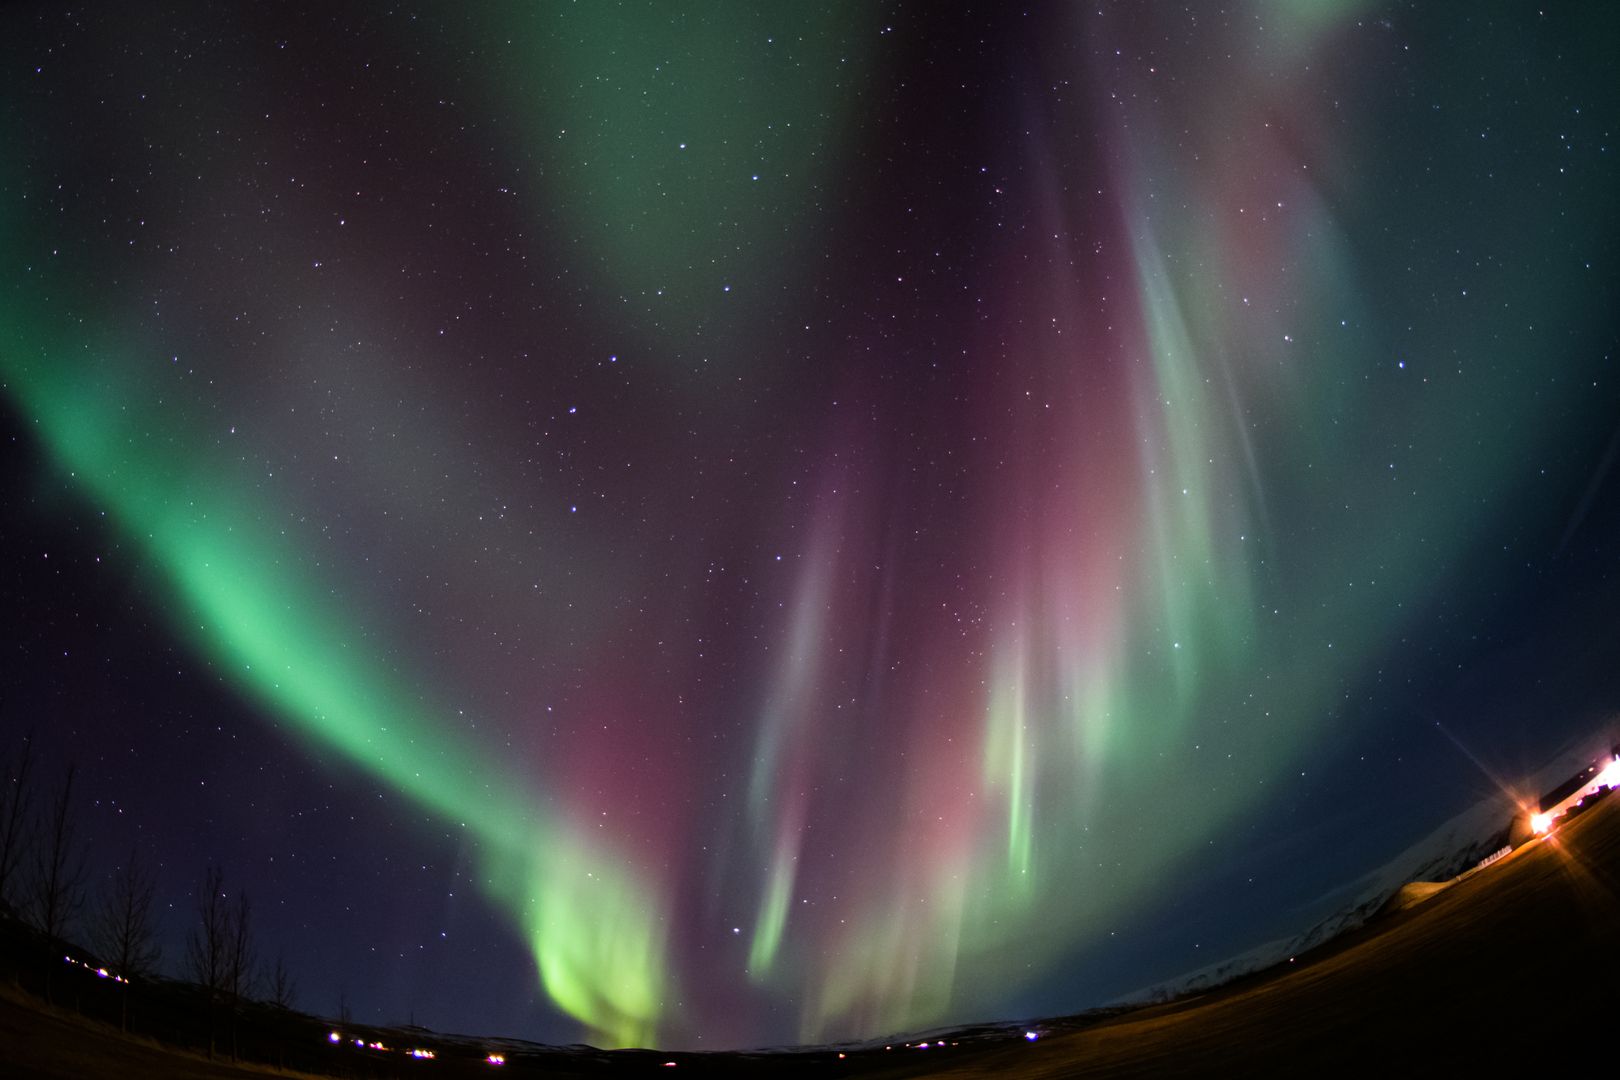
208	946
283	987
58	891
14	814
241	956
220	951
240	960
124	930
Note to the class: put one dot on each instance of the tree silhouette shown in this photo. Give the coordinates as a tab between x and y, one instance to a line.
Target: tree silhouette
240	958
14	814
283	987
220	951
123	930
208	946
58	887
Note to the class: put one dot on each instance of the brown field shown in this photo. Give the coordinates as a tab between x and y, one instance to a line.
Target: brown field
37	1041
1515	965
1512	970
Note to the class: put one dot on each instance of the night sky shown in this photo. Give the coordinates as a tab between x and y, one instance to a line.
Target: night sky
791	522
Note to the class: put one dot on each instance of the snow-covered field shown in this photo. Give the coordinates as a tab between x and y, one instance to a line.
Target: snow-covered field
1453	848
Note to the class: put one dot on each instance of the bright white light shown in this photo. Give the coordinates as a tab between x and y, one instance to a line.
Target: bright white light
334	1037
1540	822
495	1059
1031	1036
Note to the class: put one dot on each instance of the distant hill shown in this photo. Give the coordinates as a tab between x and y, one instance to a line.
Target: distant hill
1449	850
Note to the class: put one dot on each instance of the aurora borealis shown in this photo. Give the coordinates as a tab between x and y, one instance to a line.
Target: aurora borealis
780	523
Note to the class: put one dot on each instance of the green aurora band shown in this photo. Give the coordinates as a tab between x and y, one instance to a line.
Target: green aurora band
243	597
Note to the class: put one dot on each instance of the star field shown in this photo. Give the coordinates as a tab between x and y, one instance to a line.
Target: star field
747	525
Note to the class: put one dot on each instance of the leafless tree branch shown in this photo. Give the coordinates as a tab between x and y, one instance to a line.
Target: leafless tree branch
58	892
14	815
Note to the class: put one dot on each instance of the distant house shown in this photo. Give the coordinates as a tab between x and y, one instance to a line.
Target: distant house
1578	792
